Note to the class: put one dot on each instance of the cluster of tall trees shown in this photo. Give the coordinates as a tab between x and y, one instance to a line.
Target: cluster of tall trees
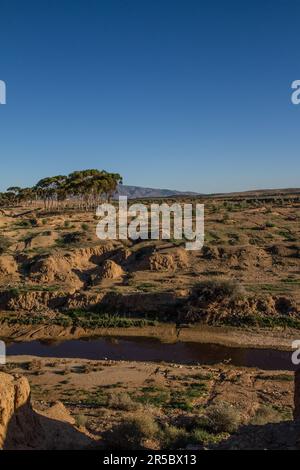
82	189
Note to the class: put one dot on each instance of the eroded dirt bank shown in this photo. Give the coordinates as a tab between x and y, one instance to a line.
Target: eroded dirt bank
280	338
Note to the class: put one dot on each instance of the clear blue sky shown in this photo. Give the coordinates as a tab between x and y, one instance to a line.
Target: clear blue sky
181	94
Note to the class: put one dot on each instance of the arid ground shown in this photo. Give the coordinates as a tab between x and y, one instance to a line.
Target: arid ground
166	405
58	280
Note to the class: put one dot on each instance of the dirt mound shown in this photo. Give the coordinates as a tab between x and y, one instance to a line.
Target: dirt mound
82	257
110	270
148	258
55	268
73	269
8	269
284	251
121	255
177	259
248	256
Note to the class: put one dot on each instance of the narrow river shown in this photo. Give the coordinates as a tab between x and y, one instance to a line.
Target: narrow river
149	349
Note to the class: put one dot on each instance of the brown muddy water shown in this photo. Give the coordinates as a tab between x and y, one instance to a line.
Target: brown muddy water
150	349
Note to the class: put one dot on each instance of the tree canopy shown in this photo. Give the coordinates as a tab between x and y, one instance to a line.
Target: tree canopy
83	189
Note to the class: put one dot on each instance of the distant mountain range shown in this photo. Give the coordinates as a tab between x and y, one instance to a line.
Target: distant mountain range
138	192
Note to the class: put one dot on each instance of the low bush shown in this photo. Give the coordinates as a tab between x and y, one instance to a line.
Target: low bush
266	414
222	417
270	224
122	401
72	238
5	243
132	432
172	437
27	223
202	436
218	290
81	420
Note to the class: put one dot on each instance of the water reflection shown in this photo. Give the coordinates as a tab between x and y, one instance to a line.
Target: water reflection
150	349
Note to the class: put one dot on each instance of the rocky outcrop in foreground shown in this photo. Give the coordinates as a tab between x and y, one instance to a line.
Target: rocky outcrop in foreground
19	425
22	428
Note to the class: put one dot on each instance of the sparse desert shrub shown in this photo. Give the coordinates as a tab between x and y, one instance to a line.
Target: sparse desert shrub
106	320
218	295
132	432
265	415
5	243
210	252
72	238
285	305
234	238
270	224
122	401
28	238
202	376
35	365
218	290
81	420
222	417
24	223
202	436
172	437
47	233
28	223
14	292
85	227
225	218
277	377
154	396
34	222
